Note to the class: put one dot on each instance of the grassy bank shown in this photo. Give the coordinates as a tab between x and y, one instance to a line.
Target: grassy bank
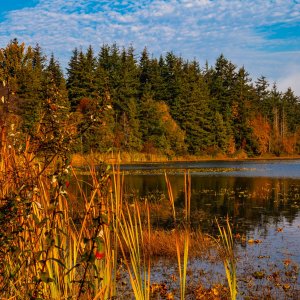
128	158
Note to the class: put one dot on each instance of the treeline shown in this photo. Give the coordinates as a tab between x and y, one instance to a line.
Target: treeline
117	100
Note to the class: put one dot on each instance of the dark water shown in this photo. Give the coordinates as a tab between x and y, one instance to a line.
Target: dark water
262	198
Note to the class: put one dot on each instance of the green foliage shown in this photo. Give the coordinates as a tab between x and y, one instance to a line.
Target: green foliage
113	100
193	112
160	133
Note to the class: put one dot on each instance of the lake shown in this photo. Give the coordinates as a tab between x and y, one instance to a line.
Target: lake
262	200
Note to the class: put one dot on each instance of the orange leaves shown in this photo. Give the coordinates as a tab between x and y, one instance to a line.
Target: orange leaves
262	132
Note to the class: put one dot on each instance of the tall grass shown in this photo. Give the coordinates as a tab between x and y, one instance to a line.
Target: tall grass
55	245
44	253
138	264
182	258
229	259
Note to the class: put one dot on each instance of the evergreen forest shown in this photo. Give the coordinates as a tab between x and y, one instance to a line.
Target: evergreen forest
120	100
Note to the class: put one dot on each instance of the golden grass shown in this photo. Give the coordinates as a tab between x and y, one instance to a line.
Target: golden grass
79	160
182	254
50	256
44	254
137	264
163	243
114	158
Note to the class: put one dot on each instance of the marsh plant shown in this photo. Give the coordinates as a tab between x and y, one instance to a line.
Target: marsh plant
55	245
44	254
182	255
229	260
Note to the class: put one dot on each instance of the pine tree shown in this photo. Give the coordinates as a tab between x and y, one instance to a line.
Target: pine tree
242	97
144	74
30	86
73	80
221	137
55	84
172	75
51	135
126	101
192	112
222	84
291	105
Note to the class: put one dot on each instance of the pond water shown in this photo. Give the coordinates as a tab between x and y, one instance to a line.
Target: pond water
262	200
253	194
257	195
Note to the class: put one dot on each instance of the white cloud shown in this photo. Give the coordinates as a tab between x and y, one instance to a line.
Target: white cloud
199	29
291	80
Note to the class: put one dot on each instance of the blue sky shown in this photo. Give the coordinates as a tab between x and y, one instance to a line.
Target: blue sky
262	35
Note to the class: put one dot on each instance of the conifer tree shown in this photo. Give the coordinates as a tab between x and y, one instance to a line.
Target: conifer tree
242	96
222	84
145	76
55	84
30	86
193	113
73	81
126	100
172	75
81	82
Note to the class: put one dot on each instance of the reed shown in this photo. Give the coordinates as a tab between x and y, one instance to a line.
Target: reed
182	256
44	254
138	264
229	259
115	157
162	243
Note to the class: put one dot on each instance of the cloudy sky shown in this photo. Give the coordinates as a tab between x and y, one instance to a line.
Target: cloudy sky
262	35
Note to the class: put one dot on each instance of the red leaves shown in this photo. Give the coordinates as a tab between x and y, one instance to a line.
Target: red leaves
99	255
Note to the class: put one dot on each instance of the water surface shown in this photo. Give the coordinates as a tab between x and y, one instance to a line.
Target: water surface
262	200
258	196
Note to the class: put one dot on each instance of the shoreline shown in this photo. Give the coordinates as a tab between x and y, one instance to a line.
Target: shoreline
79	160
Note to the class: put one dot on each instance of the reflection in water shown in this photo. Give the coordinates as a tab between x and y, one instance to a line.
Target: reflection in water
250	201
259	198
260	208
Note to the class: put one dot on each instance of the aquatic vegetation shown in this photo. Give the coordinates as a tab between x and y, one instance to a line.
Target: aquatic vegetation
229	259
138	265
95	244
182	256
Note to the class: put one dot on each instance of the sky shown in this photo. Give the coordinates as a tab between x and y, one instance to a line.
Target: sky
261	35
